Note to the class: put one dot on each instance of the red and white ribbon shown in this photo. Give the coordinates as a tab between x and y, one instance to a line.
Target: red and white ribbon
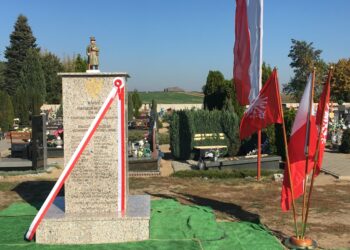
118	89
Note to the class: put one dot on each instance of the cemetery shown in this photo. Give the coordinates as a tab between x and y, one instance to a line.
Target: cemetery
246	163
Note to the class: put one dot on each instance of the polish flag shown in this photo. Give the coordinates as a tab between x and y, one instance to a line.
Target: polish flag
323	106
297	148
264	110
248	49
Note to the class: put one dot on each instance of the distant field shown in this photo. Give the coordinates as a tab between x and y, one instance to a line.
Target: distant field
171	97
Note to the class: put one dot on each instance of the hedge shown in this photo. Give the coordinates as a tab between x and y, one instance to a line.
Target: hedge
186	123
345	142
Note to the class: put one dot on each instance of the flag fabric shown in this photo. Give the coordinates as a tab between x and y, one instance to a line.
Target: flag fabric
264	110
248	49
296	149
323	106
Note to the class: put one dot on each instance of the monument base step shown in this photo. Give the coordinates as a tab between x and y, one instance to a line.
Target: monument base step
60	228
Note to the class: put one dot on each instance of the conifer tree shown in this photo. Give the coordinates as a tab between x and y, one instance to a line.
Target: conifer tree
2	72
6	111
21	40
33	82
137	103
130	108
80	64
51	66
20	105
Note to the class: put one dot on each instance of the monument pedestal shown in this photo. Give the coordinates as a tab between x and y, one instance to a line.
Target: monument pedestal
96	191
60	228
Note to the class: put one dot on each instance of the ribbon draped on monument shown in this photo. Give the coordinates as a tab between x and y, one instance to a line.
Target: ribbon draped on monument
117	90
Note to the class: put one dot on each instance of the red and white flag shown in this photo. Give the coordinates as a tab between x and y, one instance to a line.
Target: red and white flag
323	106
264	110
296	149
248	49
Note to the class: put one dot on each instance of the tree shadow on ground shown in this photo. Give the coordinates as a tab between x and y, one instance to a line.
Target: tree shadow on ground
230	209
35	192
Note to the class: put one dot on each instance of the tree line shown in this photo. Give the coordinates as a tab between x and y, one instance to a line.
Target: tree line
28	77
220	94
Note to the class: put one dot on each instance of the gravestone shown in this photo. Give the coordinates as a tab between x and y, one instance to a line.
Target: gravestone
89	211
39	142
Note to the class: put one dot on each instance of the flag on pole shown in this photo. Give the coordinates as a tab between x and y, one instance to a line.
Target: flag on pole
248	49
296	148
323	106
264	110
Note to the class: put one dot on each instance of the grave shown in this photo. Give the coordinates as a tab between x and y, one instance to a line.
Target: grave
39	142
91	212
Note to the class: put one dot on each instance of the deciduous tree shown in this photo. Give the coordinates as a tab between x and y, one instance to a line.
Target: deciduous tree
304	58
340	91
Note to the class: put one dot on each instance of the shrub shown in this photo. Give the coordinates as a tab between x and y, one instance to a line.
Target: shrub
345	142
186	123
220	174
289	117
163	138
136	135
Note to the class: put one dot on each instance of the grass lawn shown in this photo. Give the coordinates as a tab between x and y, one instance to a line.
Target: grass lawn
171	97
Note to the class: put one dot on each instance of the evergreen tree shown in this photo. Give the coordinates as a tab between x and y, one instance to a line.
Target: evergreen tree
266	72
51	66
68	64
33	82
137	103
215	91
130	108
2	73
345	142
21	40
20	105
59	112
80	64
6	111
233	104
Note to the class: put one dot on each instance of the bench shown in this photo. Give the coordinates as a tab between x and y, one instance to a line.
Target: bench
19	143
203	150
210	136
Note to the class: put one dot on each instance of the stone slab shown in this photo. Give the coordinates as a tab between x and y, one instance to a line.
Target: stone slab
336	164
15	164
60	228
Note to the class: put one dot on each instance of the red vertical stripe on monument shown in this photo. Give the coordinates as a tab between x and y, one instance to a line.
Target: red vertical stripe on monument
122	99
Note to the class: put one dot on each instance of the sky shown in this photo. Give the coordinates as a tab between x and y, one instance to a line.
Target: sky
164	43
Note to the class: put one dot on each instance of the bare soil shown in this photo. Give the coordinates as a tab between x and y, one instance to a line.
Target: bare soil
231	200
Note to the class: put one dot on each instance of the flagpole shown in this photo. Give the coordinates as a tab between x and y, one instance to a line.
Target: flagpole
316	158
307	144
259	157
288	165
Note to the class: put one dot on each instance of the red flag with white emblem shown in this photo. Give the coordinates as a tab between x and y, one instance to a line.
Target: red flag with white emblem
323	106
264	110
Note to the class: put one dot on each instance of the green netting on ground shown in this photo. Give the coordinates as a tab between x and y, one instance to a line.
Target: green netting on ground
173	226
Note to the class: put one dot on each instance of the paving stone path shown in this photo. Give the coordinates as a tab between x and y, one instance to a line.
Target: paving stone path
337	164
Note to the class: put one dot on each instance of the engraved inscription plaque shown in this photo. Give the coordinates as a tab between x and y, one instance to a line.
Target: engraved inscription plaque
92	186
